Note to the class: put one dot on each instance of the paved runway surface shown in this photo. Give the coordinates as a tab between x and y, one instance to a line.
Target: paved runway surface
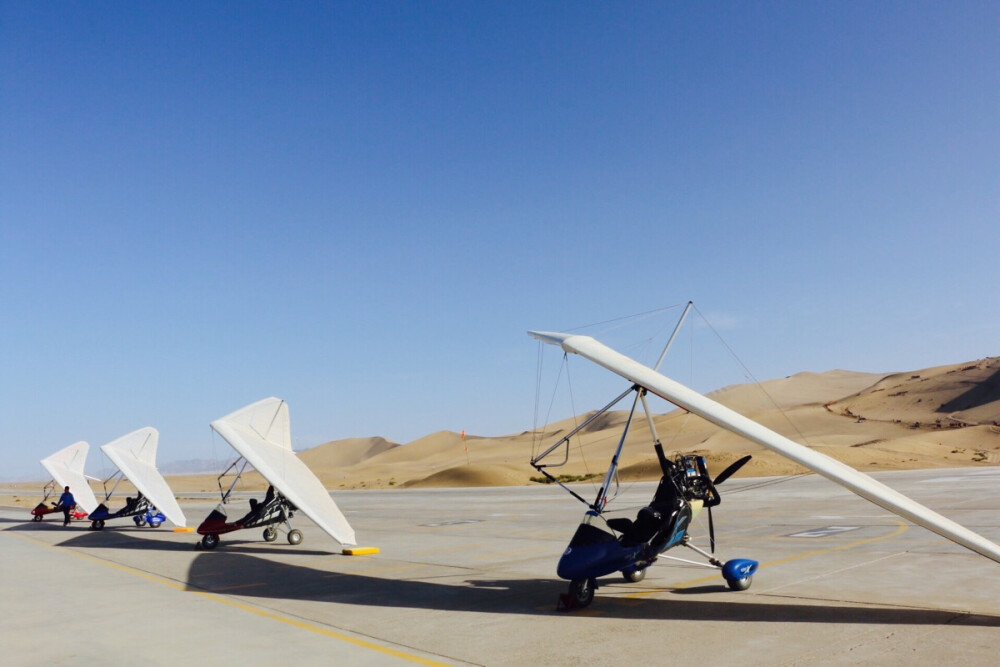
467	576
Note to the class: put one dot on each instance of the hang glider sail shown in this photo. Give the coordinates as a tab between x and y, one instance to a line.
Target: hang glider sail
66	468
135	456
261	434
690	400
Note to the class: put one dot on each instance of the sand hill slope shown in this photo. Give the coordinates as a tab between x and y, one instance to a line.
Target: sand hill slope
345	453
946	395
934	417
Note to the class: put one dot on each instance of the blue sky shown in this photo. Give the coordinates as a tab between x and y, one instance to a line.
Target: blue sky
361	208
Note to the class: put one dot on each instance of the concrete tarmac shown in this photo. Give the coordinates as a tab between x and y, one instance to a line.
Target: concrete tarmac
467	576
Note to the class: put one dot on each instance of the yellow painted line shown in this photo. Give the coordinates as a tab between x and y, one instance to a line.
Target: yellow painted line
187	529
239	586
359	551
302	625
901	528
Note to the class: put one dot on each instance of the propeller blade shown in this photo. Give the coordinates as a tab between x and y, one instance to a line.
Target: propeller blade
731	470
711	530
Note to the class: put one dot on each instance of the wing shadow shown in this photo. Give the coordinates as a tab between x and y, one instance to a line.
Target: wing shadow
121	539
259	578
235	568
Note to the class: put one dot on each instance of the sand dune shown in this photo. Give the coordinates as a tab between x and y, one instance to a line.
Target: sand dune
344	453
813	408
935	417
471	475
946	395
799	389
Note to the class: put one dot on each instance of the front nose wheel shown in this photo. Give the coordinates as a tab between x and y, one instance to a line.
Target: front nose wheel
582	591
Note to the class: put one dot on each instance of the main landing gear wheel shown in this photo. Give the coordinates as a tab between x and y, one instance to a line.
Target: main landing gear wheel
582	591
295	537
740	584
36	518
634	576
270	534
97	525
210	541
139	521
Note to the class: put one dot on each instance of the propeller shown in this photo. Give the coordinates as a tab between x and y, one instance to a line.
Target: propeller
731	470
711	530
722	477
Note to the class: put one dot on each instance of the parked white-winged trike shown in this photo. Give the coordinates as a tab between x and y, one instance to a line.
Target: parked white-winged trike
602	546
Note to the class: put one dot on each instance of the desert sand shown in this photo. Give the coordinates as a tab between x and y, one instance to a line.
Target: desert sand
946	416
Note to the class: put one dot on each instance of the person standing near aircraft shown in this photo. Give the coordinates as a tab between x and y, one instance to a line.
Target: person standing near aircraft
66	503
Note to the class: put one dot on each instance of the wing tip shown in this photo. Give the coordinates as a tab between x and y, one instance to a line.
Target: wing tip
550	337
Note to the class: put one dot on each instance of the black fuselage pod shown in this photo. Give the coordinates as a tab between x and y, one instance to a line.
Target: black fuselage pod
595	552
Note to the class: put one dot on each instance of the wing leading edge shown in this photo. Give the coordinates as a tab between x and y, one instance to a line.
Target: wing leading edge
690	400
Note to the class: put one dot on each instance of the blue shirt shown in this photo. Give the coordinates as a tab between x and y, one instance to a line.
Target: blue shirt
67	500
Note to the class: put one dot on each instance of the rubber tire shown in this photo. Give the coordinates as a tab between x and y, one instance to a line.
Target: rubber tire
270	534
582	591
155	525
295	537
740	584
210	541
139	521
36	518
97	525
634	576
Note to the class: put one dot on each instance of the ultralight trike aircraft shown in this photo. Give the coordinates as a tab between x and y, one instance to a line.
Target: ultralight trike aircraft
66	468
154	502
261	435
602	546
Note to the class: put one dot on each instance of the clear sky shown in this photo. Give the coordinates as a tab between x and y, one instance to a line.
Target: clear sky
362	207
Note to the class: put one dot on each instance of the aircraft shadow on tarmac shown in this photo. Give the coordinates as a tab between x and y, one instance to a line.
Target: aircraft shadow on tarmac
53	523
235	567
130	537
127	537
260	578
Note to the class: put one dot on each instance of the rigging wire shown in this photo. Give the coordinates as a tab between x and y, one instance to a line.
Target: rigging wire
636	316
536	437
579	436
644	344
757	382
539	359
768	482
